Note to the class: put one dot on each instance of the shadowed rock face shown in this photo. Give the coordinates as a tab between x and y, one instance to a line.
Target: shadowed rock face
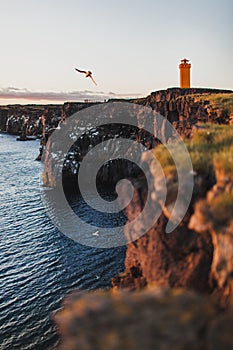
182	258
148	320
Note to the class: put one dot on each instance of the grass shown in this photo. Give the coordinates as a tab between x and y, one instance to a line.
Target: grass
210	149
164	157
211	152
221	208
223	162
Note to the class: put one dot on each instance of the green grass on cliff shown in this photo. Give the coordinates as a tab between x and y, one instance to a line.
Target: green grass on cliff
223	162
210	149
211	152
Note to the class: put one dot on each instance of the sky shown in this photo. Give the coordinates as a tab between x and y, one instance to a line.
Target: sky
132	47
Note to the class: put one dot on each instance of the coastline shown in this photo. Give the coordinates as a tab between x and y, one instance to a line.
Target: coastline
192	262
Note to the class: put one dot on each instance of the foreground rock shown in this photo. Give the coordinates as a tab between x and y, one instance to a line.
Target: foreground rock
151	319
213	216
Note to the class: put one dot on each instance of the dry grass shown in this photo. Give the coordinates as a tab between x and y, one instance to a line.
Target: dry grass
223	162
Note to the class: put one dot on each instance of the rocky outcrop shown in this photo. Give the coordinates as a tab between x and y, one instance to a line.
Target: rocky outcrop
3	118
27	120
154	318
181	258
15	119
198	254
69	108
92	134
185	107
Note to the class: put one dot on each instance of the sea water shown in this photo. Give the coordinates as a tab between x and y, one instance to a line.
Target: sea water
39	265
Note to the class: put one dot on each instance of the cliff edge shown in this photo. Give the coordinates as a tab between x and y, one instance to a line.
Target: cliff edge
176	291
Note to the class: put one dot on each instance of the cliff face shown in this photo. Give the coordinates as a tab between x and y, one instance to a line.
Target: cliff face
182	281
186	107
182	107
182	258
175	104
17	119
198	254
3	118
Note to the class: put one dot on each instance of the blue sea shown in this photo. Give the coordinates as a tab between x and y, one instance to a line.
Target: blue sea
39	265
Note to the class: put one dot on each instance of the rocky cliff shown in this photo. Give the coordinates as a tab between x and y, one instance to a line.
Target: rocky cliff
186	107
18	119
176	291
198	254
182	107
177	105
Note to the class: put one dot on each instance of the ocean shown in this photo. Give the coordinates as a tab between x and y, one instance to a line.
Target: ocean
39	265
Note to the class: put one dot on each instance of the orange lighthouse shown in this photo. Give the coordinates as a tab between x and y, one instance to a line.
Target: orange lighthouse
185	73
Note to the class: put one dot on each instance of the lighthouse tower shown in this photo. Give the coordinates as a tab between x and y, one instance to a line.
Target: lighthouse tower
185	73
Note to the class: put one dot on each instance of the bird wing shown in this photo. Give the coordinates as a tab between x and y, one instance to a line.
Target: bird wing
93	79
95	233
80	71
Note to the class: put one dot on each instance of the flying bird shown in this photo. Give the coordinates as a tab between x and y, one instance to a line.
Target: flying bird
95	233
87	73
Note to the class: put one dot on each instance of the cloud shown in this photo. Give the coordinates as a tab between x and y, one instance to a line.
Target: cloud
59	96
